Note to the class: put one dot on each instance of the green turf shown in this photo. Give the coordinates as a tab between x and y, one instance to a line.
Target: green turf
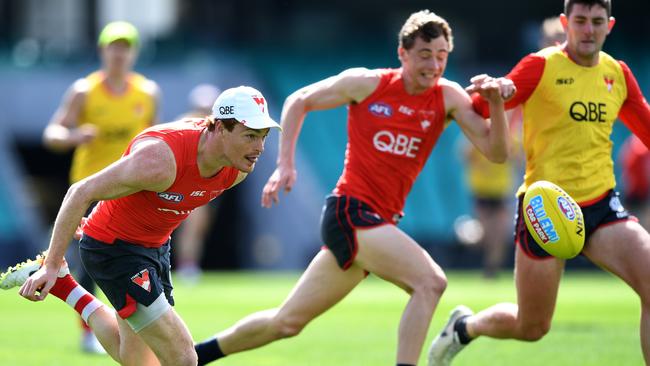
596	323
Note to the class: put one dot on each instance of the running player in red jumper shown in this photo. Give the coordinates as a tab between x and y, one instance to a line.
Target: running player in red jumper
571	95
395	118
167	171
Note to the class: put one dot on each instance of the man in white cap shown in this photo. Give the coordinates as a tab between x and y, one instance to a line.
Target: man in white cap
166	172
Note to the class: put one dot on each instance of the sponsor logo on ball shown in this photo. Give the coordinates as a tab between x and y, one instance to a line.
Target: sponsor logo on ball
541	223
566	208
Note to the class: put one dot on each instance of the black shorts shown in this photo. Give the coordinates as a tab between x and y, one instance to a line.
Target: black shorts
128	273
605	211
340	217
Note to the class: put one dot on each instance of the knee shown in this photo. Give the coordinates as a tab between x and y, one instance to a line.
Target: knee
431	285
534	332
190	358
286	326
186	358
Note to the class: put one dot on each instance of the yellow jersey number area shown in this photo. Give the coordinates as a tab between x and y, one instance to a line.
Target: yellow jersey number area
554	219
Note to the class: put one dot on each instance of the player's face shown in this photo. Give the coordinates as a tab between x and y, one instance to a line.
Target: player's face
118	56
243	146
586	29
425	62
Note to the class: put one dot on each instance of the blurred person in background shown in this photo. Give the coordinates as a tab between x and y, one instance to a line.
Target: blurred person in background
395	117
552	33
192	233
634	158
492	185
166	172
571	96
99	115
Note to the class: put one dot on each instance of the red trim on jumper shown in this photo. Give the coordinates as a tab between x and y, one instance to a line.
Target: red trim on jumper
594	200
526	76
635	111
129	308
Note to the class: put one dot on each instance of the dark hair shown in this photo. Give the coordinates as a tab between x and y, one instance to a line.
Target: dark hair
427	26
228	123
607	4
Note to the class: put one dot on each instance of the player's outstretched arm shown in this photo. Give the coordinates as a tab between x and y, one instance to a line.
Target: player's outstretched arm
350	86
150	166
491	137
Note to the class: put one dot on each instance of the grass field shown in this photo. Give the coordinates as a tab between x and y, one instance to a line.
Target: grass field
596	323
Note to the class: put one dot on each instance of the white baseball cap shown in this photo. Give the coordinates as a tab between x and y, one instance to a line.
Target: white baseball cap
245	104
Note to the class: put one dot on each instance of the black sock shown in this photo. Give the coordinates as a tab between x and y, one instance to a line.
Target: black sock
404	364
208	351
461	329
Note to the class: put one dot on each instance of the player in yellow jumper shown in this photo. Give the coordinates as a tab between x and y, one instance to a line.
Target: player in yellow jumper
99	116
571	96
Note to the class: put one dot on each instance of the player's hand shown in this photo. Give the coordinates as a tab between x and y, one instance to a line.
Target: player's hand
83	134
79	231
507	88
476	83
283	178
492	89
39	284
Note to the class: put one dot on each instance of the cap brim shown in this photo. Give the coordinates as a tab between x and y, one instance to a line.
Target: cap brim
108	40
261	123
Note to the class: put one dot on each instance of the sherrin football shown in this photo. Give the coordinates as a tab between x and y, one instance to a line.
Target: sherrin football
554	219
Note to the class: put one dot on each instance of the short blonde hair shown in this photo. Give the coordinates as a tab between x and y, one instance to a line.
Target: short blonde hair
552	32
427	26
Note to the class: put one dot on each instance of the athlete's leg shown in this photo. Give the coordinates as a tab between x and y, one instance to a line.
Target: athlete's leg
321	286
537	283
100	317
623	248
391	254
168	338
